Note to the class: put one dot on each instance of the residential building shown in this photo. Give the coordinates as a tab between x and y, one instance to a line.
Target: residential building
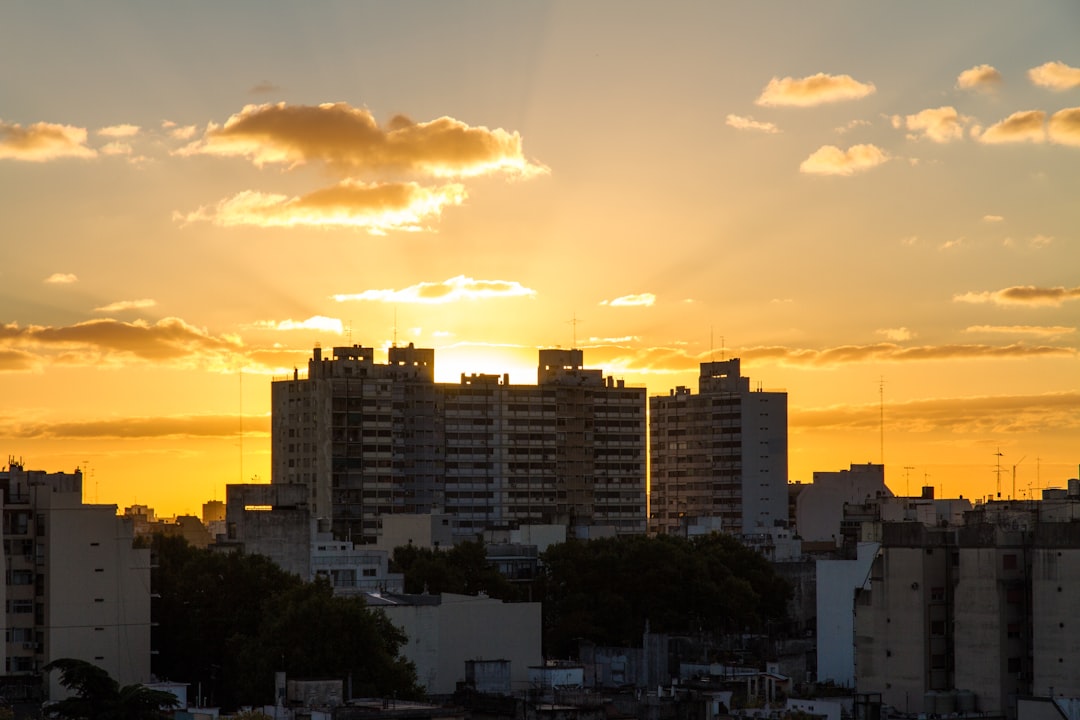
975	616
276	521
76	587
374	439
721	453
445	632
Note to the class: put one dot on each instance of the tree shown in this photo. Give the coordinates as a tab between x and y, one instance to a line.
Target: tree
225	622
97	696
463	569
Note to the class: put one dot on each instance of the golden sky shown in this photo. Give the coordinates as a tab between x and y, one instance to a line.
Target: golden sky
875	207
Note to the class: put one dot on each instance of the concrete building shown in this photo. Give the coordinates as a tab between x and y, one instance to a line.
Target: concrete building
819	507
838	580
76	587
974	617
370	440
447	631
276	521
721	453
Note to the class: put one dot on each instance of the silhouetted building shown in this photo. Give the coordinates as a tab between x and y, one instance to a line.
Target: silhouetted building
721	453
370	439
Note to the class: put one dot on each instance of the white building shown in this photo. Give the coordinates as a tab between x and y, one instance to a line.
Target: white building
837	581
444	631
76	587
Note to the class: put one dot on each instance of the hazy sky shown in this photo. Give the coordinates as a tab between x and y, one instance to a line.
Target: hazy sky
874	205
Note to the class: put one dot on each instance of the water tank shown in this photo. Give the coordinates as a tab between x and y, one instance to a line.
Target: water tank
965	701
946	702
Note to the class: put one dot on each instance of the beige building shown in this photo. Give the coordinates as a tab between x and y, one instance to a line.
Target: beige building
721	454
372	439
76	587
447	631
974	617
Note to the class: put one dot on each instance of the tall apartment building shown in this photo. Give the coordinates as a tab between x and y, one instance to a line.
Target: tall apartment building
973	617
75	585
371	439
721	454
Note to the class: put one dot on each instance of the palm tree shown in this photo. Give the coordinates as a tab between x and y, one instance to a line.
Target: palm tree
97	696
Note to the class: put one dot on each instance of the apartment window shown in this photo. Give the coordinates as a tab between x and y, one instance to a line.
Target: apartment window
1008	561
20	606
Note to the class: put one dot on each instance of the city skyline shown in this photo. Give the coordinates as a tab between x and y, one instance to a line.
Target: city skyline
872	207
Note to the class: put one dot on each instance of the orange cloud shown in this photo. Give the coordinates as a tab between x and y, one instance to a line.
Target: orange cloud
896	334
1064	127
985	415
1021	329
42	142
1023	126
453	290
640	300
831	160
17	360
980	77
1055	76
813	90
375	207
104	341
117	131
941	125
122	305
1022	295
316	322
224	426
349	140
61	279
747	123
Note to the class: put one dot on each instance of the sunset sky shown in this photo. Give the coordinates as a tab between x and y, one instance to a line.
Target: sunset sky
875	205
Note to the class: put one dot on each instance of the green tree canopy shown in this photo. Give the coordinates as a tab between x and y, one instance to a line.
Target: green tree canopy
605	590
463	569
226	622
97	696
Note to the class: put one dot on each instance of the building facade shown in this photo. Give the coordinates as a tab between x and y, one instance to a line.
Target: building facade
76	587
370	439
721	453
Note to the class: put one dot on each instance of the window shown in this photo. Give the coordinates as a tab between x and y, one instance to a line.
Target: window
1008	561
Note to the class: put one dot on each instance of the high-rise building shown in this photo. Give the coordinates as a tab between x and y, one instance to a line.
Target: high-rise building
720	454
76	587
370	439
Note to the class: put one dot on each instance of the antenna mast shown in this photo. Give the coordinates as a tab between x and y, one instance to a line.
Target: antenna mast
881	413
998	471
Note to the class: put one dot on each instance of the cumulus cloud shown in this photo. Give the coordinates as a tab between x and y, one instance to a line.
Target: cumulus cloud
1049	330
748	123
122	305
453	290
1055	76
179	426
1022	295
941	125
813	90
375	207
42	142
896	334
61	279
106	341
852	125
349	140
639	300
316	322
116	148
179	132
1064	127
984	415
831	160
993	218
1023	126
119	131
980	77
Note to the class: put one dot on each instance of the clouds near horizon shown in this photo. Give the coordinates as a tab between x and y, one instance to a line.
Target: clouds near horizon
1022	295
1055	75
452	290
981	77
1022	126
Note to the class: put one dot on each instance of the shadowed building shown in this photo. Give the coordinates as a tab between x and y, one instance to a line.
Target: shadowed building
369	440
721	454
